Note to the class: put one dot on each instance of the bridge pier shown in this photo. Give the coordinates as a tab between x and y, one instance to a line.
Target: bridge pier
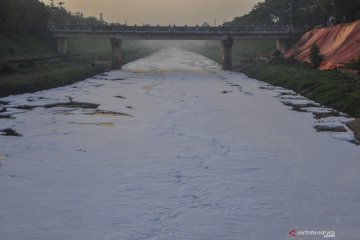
227	52
283	45
116	53
62	46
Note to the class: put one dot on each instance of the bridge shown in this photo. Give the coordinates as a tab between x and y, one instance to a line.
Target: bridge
118	33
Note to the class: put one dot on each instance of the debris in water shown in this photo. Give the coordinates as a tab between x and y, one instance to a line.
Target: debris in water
34	98
70	104
74	105
300	103
107	113
318	110
298	109
320	115
341	119
292	97
330	127
64	112
321	112
70	98
148	88
98	85
100	77
103	124
6	116
225	92
10	132
267	87
9	112
285	92
121	97
26	107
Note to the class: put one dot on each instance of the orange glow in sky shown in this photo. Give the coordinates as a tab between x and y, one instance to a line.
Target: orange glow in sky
163	12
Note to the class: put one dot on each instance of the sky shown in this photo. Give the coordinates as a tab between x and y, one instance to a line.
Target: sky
163	12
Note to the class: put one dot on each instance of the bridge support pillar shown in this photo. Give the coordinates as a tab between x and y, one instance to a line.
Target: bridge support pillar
116	53
62	46
227	53
283	45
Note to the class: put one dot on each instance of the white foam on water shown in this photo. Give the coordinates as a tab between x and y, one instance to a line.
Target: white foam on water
192	162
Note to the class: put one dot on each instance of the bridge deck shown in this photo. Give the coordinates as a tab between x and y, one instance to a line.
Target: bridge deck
173	32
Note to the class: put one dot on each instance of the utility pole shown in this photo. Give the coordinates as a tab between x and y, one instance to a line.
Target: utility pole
291	14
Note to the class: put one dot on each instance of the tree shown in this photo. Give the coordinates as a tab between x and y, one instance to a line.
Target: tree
23	16
61	4
302	13
33	16
315	57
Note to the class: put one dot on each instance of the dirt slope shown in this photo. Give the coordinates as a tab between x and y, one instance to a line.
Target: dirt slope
339	44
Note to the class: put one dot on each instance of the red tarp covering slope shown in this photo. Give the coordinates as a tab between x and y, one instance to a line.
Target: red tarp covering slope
339	45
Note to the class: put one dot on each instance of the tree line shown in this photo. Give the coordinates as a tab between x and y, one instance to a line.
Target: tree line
300	13
35	17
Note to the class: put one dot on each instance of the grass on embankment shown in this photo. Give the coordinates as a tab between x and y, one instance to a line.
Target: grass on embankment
88	45
253	48
242	49
22	44
31	76
47	76
330	88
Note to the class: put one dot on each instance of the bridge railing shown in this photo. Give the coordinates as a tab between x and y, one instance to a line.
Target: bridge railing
167	29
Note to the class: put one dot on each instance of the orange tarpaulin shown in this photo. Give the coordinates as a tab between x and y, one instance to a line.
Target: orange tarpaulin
339	45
